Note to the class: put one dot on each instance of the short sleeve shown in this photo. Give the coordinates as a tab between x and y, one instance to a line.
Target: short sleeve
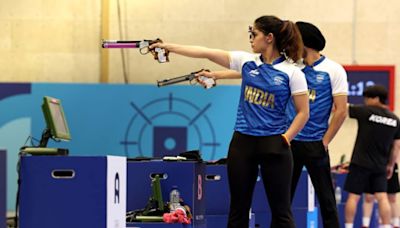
298	83
356	111
339	81
397	136
237	59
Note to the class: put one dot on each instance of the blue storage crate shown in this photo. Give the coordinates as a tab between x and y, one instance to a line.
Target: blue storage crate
79	192
188	176
302	216
217	201
217	197
217	190
338	180
304	196
220	221
156	225
215	221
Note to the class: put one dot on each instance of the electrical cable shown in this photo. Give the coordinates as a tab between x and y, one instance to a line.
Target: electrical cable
124	71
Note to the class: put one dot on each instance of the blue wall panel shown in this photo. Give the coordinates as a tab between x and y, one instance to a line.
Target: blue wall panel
117	119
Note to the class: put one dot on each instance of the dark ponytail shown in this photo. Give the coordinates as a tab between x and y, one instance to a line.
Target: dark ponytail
287	36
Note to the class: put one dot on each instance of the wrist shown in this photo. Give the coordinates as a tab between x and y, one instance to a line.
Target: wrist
286	138
168	46
390	163
213	75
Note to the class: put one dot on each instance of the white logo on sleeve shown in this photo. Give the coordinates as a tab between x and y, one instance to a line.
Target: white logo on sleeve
383	120
254	73
278	80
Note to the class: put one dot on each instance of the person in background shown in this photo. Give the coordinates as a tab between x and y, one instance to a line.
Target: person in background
327	86
372	160
393	188
262	133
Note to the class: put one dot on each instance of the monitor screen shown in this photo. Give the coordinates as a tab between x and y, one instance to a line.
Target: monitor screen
55	118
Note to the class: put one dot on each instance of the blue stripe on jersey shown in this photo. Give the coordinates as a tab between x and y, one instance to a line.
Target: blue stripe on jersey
264	95
321	100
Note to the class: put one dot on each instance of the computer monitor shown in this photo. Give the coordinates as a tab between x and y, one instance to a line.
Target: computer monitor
56	123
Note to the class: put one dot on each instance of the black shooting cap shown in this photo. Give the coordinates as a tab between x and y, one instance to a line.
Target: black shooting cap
312	36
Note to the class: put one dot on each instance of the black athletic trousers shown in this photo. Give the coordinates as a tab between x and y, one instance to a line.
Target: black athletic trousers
270	153
313	156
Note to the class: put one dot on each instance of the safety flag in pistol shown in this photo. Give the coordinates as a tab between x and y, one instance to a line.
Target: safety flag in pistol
205	81
160	54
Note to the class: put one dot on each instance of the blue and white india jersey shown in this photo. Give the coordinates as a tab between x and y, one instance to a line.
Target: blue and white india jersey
325	79
265	92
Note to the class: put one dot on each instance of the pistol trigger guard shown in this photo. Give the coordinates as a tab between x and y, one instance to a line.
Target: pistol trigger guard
193	83
144	50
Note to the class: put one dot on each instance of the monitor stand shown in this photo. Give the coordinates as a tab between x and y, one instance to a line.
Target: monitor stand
44	151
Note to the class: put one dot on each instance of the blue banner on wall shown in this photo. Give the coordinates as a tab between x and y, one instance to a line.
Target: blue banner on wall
132	120
360	77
